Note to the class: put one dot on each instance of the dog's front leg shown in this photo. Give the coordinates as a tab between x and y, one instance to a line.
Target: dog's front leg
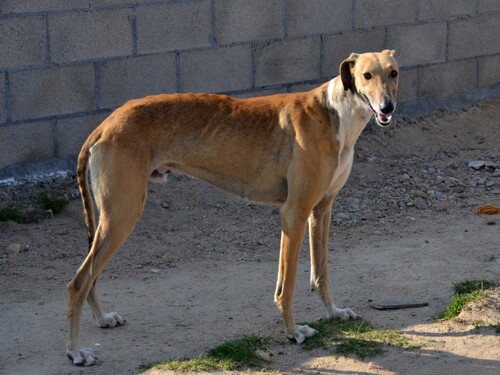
319	229
294	225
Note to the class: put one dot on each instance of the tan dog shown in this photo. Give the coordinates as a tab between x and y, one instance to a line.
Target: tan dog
294	150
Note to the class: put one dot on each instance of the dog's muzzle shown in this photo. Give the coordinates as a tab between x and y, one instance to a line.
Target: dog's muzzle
384	116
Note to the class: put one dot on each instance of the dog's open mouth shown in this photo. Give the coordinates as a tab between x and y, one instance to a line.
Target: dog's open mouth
381	118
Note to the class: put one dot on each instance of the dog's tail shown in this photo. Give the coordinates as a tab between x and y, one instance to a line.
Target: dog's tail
83	185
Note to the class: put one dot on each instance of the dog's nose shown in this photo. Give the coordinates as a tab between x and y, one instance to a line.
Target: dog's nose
387	107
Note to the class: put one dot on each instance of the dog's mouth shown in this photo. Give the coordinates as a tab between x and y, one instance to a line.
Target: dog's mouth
382	119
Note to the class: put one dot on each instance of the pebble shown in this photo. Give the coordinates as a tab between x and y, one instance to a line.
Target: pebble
341	217
4	261
476	164
14	248
420	204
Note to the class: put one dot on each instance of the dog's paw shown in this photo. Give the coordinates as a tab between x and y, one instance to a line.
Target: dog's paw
343	314
81	357
302	333
109	320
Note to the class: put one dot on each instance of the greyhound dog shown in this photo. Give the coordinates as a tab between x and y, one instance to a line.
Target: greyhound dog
293	150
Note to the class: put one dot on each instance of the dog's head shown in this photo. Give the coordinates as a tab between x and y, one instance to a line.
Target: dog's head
374	76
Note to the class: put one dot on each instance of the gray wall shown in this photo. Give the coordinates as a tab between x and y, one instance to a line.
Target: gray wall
65	64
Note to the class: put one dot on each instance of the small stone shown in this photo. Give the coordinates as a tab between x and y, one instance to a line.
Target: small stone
14	248
265	356
489	183
476	164
442	206
353	207
341	217
420	204
382	205
492	222
165	205
4	261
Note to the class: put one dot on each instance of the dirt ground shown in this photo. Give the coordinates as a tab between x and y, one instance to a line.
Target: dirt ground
200	267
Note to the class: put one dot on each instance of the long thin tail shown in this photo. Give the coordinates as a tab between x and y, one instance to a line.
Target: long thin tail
83	185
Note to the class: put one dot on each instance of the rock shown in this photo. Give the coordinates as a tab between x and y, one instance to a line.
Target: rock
476	164
382	205
265	356
420	204
14	248
165	205
341	217
442	206
489	183
4	261
353	207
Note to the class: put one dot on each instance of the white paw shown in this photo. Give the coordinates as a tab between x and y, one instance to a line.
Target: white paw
302	333
109	320
81	357
344	314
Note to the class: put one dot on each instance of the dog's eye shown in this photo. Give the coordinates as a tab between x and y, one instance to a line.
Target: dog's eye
394	74
367	76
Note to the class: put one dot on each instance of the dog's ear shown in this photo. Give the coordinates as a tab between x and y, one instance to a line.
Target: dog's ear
389	52
346	72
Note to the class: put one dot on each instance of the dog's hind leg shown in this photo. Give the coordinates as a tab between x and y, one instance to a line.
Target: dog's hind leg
121	202
319	227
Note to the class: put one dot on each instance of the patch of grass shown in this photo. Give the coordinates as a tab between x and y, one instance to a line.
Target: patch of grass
231	355
465	292
355	337
53	204
12	214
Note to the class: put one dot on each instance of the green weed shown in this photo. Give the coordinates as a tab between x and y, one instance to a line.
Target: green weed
355	337
465	293
231	355
11	214
53	204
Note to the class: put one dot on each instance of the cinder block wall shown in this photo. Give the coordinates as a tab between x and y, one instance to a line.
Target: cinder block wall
66	64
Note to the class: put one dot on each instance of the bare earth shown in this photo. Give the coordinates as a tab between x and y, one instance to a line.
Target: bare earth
201	265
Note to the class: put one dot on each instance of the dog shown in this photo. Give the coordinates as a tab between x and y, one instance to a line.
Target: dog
293	150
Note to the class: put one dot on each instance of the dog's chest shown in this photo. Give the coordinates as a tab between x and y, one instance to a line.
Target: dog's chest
343	170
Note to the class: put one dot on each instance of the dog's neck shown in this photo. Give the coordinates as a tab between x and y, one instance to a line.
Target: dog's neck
352	110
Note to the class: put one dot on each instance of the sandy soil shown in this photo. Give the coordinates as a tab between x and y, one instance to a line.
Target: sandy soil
200	267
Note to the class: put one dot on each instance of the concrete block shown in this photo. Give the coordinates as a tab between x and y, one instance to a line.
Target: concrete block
445	79
489	71
256	93
26	142
109	3
488	6
31	6
71	133
431	9
407	89
384	12
136	77
22	41
173	26
51	92
90	35
419	44
338	47
3	115
475	36
243	20
318	16
216	70
287	61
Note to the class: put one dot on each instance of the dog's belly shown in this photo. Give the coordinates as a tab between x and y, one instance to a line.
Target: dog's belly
264	187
